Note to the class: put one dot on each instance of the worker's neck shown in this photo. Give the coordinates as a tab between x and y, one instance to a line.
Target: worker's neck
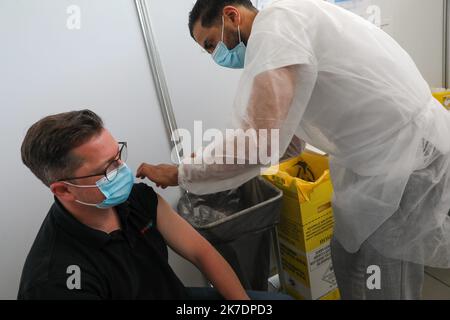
248	17
105	220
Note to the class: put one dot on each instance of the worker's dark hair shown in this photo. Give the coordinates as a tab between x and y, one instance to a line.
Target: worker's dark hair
210	11
48	144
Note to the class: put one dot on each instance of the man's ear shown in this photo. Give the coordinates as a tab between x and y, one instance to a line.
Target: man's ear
61	190
233	14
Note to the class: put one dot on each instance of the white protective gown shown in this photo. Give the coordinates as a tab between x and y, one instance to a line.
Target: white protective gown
320	73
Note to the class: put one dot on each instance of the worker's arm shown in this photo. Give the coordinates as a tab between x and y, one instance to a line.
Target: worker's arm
188	243
221	167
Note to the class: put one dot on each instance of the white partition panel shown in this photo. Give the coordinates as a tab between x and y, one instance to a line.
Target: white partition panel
46	68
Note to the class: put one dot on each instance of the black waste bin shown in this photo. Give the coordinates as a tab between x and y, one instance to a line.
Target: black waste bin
240	224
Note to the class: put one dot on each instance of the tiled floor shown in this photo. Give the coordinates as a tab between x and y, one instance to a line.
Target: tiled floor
437	284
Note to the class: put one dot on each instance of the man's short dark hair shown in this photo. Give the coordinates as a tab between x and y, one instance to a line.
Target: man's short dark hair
209	11
48	144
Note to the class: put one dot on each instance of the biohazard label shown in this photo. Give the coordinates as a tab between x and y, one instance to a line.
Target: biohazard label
329	275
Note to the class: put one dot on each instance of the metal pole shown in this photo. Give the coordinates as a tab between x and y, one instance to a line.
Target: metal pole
157	71
445	45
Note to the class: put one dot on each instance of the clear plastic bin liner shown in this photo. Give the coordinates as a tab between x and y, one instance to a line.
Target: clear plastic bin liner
238	224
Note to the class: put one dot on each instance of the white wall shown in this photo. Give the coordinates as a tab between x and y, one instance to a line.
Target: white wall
418	26
45	69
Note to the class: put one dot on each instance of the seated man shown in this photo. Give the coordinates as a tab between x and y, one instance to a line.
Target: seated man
105	237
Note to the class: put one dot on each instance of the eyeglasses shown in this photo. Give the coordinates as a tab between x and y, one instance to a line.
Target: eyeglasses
111	170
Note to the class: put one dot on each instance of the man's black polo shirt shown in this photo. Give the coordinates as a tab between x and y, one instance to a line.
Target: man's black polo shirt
128	264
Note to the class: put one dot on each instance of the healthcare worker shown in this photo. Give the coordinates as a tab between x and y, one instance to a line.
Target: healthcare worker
320	73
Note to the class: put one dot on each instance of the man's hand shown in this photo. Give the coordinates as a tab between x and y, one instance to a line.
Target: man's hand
163	175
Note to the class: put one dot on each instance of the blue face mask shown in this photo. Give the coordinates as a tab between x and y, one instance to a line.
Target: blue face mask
116	191
234	58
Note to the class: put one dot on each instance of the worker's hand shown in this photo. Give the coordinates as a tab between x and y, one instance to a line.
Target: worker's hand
163	175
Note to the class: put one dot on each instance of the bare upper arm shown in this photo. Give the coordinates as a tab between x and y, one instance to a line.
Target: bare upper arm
178	233
271	97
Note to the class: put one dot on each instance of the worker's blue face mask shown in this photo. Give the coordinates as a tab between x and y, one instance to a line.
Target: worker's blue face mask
233	58
116	191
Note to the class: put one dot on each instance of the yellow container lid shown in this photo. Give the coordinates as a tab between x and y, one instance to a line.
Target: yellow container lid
443	96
